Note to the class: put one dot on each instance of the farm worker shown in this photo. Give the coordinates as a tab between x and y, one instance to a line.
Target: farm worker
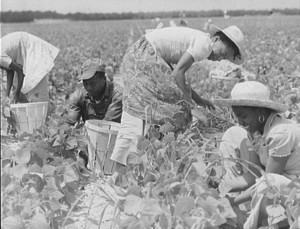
267	140
28	59
206	24
98	98
154	89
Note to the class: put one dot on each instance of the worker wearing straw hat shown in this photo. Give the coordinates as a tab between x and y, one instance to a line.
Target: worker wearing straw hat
268	141
155	88
29	58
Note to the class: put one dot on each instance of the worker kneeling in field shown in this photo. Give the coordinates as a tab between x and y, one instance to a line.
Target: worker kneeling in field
155	91
98	98
271	144
29	58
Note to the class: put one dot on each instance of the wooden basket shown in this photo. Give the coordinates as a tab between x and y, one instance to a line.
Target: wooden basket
102	136
29	116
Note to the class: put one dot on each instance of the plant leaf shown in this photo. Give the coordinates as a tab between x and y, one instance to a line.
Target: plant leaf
184	205
169	138
35	159
35	169
48	170
132	204
70	175
276	213
198	114
70	197
71	143
11	222
56	195
19	170
23	156
54	204
39	221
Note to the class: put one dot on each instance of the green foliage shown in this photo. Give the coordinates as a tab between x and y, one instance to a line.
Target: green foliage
170	184
40	176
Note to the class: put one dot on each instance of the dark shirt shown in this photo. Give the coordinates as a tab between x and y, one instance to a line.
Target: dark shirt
82	105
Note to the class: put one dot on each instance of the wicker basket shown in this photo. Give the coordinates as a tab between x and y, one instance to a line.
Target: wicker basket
102	137
29	116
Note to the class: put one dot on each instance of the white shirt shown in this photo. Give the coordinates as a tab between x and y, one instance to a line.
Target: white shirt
172	42
35	55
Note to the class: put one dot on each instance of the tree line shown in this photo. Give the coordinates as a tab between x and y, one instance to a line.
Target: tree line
30	16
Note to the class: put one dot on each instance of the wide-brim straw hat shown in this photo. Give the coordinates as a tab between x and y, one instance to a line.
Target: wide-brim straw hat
235	35
251	94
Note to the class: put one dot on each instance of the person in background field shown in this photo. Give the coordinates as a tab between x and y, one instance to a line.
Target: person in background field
183	21
98	98
207	24
265	139
155	88
29	59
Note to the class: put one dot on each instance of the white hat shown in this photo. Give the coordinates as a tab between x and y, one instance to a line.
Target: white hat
235	35
251	94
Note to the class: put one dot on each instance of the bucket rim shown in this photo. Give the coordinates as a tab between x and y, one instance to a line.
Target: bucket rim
17	105
103	121
91	126
90	122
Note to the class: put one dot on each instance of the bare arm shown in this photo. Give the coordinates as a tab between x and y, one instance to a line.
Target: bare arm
19	69
9	82
200	101
75	110
114	111
16	67
243	197
276	164
19	85
182	66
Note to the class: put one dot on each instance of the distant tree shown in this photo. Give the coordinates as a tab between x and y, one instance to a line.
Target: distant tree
29	16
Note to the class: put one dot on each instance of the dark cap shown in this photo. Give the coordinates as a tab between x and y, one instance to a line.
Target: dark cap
90	67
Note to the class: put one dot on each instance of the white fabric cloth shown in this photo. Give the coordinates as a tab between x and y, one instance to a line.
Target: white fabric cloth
127	140
40	93
172	42
34	54
231	140
232	146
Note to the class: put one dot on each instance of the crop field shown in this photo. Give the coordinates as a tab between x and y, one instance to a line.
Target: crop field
172	186
272	48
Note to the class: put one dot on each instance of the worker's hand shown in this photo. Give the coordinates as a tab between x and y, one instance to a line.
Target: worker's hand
206	103
15	97
187	96
8	100
21	76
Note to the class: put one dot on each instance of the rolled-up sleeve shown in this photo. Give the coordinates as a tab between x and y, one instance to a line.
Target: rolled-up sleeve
114	111
74	108
281	141
200	47
5	60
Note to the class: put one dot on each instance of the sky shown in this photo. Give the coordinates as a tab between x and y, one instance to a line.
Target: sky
118	6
